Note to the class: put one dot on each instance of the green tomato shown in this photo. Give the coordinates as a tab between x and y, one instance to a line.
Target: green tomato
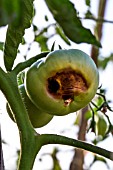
37	117
63	82
102	125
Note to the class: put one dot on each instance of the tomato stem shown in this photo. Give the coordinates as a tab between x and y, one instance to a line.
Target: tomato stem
57	139
9	87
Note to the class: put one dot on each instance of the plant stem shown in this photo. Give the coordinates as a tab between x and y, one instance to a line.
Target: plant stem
57	139
1	154
9	87
99	19
98	29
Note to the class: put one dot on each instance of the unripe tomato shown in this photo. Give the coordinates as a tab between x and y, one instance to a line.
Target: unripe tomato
37	117
102	125
64	82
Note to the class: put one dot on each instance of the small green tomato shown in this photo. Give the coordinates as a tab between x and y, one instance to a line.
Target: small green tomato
102	125
37	117
63	82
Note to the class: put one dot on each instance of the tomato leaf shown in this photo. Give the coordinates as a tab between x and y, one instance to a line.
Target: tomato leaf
103	61
1	46
15	34
66	15
88	2
10	11
42	40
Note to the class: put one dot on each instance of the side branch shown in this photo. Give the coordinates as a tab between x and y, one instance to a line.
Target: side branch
57	139
21	66
100	20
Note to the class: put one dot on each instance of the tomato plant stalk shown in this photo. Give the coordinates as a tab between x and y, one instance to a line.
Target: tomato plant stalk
9	87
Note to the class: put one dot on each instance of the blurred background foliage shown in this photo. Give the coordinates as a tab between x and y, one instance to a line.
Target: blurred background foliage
67	25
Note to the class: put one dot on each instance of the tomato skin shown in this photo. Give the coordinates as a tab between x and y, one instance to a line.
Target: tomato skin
55	62
37	117
102	125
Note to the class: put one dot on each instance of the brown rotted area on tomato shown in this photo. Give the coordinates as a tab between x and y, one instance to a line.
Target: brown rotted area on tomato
65	84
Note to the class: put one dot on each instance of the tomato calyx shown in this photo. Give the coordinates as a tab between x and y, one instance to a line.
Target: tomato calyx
65	84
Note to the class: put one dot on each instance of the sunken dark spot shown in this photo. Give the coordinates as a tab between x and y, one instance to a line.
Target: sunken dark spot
53	85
